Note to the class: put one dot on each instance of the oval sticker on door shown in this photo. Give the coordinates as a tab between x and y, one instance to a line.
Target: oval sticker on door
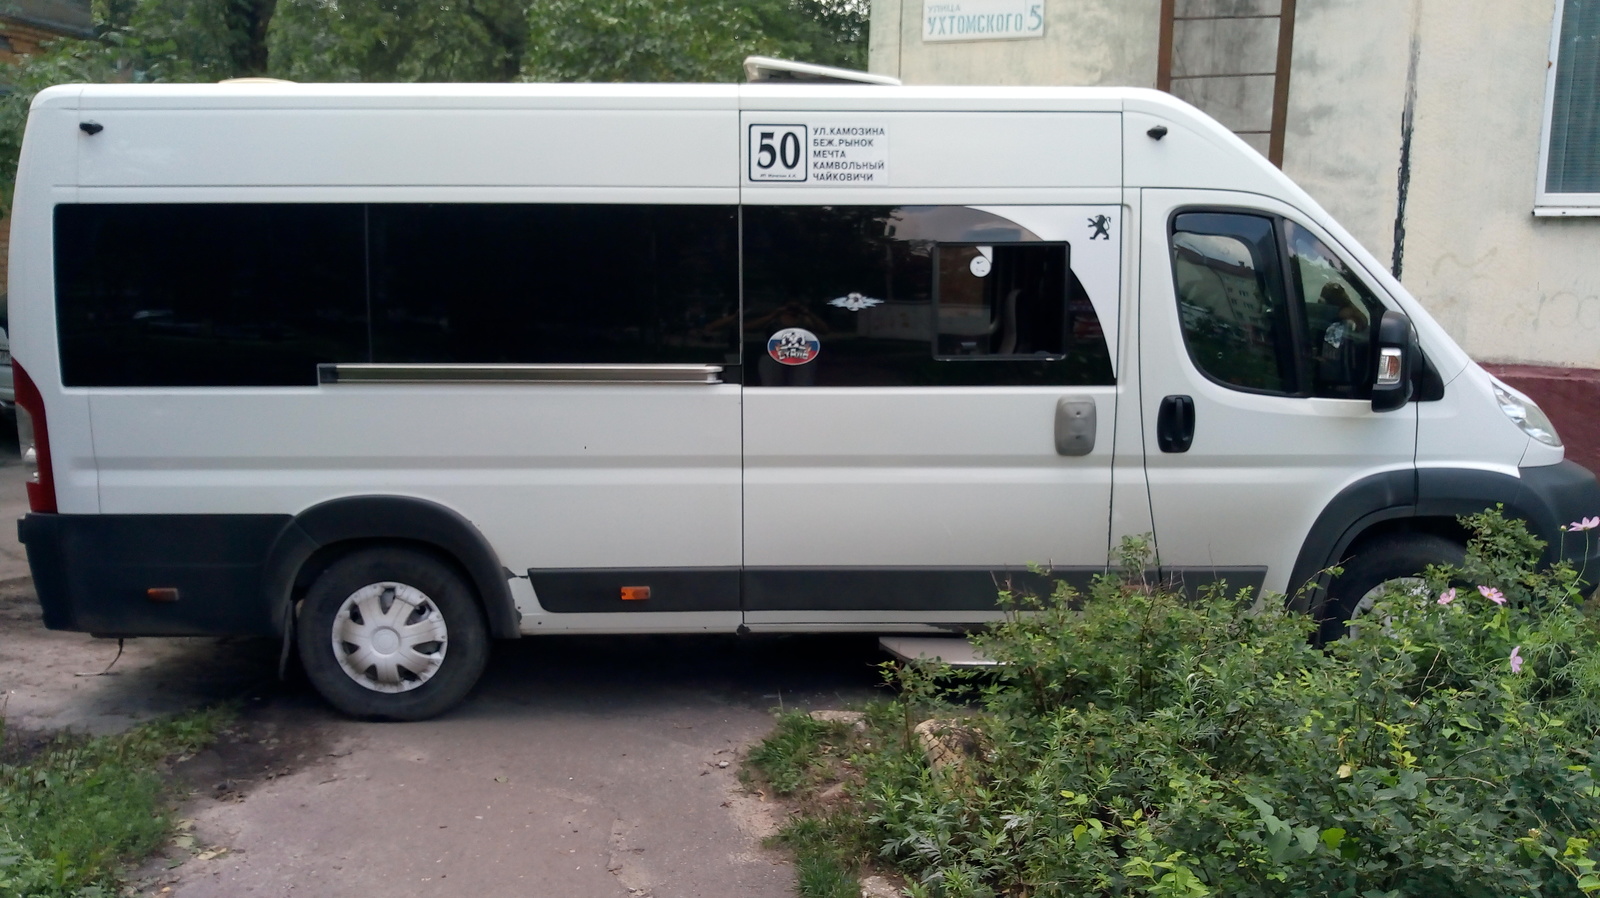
793	346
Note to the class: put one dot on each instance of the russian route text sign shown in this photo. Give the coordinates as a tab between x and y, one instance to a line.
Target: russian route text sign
981	20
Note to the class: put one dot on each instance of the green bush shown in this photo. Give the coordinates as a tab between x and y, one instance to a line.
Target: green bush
1139	743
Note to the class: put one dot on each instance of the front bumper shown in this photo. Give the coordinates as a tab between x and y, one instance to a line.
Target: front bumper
1569	493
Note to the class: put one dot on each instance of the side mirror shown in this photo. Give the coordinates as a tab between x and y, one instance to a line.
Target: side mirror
1397	352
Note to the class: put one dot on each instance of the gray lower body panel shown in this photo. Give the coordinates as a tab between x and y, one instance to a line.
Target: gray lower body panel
902	589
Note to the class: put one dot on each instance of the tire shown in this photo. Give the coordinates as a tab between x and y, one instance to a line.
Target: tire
412	620
1381	561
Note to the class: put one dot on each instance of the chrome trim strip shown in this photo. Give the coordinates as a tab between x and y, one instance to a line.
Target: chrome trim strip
537	374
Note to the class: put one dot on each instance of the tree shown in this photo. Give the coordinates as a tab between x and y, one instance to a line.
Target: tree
186	40
557	40
402	40
429	40
690	40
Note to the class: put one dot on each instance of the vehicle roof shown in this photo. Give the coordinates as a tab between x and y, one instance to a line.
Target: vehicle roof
616	96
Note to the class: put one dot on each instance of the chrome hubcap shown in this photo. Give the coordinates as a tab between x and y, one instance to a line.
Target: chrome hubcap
389	637
1410	585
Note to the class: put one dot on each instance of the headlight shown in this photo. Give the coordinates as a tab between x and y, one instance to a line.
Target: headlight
1526	415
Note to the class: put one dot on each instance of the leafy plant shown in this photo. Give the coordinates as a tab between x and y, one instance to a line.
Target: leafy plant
1141	743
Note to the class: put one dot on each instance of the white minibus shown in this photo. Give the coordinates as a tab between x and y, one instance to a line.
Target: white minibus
397	370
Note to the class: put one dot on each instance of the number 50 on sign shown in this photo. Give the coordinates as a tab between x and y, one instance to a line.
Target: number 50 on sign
778	153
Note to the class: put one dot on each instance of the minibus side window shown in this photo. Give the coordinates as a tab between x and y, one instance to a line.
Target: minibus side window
1231	300
893	296
261	294
554	283
1340	314
207	295
832	272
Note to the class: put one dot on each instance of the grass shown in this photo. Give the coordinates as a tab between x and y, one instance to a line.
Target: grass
793	756
76	812
800	761
819	876
830	851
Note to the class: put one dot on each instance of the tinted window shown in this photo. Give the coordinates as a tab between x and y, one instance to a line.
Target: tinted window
554	283
890	297
1231	300
1001	301
1341	315
208	295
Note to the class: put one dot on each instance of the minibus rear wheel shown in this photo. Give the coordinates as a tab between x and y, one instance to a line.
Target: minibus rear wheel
392	634
1396	559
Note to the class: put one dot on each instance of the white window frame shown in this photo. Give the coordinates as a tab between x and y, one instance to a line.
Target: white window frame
1547	204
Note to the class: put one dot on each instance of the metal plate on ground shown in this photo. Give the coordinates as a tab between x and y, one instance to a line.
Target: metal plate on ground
955	651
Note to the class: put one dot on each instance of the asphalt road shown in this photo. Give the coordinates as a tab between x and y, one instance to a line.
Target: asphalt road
581	766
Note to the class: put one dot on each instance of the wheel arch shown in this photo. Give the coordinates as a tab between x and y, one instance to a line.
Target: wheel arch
1425	500
324	533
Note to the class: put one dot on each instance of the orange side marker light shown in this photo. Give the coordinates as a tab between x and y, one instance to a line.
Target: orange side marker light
635	593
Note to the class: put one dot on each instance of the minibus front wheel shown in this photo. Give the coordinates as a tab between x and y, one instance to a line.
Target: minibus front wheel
392	634
1393	559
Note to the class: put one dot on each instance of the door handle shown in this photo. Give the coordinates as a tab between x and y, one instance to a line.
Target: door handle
1175	424
1075	425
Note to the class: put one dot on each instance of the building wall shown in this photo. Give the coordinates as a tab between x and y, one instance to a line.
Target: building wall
1225	61
25	25
22	39
1508	286
1086	43
1346	97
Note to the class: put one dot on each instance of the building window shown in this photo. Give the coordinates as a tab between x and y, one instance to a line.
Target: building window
1569	173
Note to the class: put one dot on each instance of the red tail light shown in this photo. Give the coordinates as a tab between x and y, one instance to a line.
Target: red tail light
34	438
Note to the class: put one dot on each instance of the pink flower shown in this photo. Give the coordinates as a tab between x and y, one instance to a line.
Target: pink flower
1447	596
1516	660
1492	594
1585	524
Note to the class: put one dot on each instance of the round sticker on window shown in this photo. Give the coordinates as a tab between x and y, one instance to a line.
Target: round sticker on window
793	346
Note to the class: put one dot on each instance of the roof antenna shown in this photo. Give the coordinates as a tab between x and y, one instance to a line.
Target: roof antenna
765	68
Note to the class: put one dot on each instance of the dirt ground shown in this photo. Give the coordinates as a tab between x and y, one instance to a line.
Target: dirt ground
581	766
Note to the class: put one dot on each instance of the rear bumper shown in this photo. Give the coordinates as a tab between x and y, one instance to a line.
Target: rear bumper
93	572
